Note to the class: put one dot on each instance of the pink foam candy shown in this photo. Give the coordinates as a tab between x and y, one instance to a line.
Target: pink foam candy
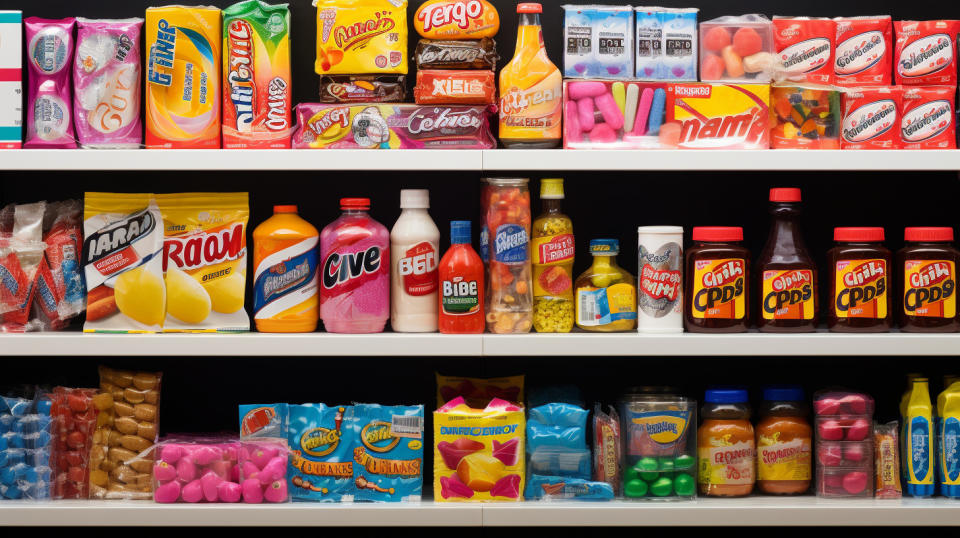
230	451
192	492
579	90
209	483
261	455
831	430
252	491
186	470
826	406
275	469
501	404
163	471
612	114
222	468
603	134
833	480
235	473
855	482
859	430
453	452
167	493
572	122
854	452
452	487
249	470
276	491
205	455
228	492
829	456
508	486
171	453
585	113
507	452
452	404
643	112
856	404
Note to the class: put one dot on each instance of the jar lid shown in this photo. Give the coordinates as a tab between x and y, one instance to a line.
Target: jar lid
785	194
726	396
718	233
928	234
551	188
529	7
355	203
284	209
864	234
606	247
783	393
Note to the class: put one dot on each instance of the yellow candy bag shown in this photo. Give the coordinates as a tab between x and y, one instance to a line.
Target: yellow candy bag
361	37
205	261
478	453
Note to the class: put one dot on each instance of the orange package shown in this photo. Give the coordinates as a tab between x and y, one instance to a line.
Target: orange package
361	37
717	116
887	461
460	87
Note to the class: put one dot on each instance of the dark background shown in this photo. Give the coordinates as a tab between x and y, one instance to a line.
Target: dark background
201	393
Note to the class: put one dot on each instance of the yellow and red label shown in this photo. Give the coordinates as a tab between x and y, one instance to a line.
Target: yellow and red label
788	294
783	460
719	289
929	288
552	266
860	290
719	116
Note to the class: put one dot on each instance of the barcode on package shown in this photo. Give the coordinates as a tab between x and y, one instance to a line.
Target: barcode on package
406	426
588	309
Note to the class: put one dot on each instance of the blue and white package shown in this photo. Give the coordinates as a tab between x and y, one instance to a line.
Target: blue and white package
556	441
577	41
598	41
25	448
566	488
560	414
388	453
680	44
560	461
649	32
321	466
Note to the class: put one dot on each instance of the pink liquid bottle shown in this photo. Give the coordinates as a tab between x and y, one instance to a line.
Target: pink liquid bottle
355	277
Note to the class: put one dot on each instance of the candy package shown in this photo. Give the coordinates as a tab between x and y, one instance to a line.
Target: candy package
256	76
927	118
50	50
388	454
267	420
613	115
607	458
478	453
863	51
560	464
26	448
925	52
361	37
737	49
565	488
75	420
666	43
11	87
805	117
121	462
21	257
362	88
399	126
458	54
456	19
887	462
717	116
804	49
106	83
477	392
455	86
598	41
63	237
845	443
321	465
871	117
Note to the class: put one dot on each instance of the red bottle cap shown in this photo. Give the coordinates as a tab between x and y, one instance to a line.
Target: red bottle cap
785	195
928	234
858	234
529	7
284	209
355	203
717	233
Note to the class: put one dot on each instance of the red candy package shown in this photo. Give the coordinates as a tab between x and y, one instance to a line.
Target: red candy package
455	87
864	51
871	118
805	48
925	52
76	420
927	118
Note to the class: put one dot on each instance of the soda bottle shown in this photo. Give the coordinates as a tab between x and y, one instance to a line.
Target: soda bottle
461	284
553	250
414	242
285	280
531	89
355	276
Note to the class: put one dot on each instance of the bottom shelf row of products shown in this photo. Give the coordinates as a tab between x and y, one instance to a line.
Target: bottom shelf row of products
491	442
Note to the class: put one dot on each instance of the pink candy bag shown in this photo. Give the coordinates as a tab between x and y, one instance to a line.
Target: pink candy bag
106	83
50	56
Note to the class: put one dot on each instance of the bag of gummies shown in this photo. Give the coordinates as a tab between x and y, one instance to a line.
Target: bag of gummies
50	55
106	83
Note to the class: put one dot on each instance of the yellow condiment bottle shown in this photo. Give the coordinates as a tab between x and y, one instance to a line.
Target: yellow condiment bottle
606	294
904	437
553	251
948	435
920	440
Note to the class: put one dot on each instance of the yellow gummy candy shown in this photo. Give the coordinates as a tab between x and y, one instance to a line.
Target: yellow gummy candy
790	130
186	298
619	95
140	295
480	471
226	293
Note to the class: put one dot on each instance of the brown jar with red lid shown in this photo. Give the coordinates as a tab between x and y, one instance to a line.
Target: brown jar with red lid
928	281
860	296
718	277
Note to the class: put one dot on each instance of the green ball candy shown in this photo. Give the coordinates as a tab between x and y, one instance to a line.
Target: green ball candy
684	461
666	464
647	468
635	488
631	474
684	485
662	487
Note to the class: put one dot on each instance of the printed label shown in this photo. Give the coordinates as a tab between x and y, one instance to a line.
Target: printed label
779	460
859	53
929	288
806	56
950	451
920	452
602	306
347	271
926	121
724	462
663	428
661	279
510	244
860	290
719	289
282	282
788	294
553	249
460	297
869	121
418	267
926	56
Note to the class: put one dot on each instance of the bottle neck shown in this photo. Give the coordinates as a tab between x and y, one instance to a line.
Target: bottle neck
529	31
551	205
785	232
602	261
350	212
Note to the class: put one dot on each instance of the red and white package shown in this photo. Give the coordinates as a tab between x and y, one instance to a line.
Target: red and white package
805	48
864	51
925	52
871	118
455	87
927	117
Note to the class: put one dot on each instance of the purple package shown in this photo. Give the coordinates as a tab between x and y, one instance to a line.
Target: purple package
393	126
50	56
106	83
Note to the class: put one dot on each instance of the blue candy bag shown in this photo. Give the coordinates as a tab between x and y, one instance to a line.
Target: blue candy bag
388	452
558	487
321	467
560	414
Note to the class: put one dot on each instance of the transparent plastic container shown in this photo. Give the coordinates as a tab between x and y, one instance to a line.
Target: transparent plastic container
736	49
507	222
842	482
856	454
845	449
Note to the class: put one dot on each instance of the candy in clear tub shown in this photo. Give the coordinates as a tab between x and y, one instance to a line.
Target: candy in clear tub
602	114
844	453
659	445
736	49
839	403
26	448
75	419
805	117
844	482
509	301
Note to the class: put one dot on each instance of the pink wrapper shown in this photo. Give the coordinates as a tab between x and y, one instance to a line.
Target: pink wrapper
50	57
106	83
393	126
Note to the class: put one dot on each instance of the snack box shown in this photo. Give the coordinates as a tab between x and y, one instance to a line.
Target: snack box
11	79
871	118
717	116
927	117
839	403
613	115
666	43
598	41
845	482
736	49
805	117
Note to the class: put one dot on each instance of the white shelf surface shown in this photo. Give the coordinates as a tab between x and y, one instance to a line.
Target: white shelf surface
418	345
753	511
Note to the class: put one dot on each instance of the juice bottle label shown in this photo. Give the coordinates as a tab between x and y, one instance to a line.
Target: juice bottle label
723	462
930	288
418	269
602	306
788	294
285	280
950	451
783	460
919	464
656	432
460	297
549	253
861	289
719	289
510	244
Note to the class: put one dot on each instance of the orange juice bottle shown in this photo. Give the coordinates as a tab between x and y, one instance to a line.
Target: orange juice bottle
531	89
285	279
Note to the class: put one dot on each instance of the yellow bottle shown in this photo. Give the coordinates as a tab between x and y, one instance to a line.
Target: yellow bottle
948	437
904	438
920	440
285	280
606	294
553	251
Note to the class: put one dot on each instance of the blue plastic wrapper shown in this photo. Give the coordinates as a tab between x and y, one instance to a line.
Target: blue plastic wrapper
561	462
321	467
25	446
564	488
559	414
388	452
540	436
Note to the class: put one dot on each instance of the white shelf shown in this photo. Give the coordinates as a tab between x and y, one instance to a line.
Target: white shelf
479	160
753	511
418	345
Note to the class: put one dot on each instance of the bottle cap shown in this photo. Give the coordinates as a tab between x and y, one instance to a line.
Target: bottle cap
414	199
459	232
362	204
551	189
928	234
783	393
726	396
284	209
605	247
718	233
529	7
862	234
784	195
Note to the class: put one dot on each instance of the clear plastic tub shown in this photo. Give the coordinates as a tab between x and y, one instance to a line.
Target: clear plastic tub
736	49
840	482
507	220
834	402
856	454
844	428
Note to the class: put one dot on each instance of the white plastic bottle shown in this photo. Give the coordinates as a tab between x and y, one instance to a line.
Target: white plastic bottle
414	258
